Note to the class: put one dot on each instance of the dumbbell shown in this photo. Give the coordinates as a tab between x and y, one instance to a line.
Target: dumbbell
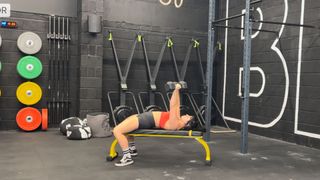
183	85
170	86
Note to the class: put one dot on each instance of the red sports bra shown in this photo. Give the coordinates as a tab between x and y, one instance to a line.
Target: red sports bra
163	119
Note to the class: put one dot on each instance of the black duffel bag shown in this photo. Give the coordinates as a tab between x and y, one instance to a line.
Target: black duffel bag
79	132
69	122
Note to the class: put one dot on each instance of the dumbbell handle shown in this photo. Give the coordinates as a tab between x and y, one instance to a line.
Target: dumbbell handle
179	85
170	86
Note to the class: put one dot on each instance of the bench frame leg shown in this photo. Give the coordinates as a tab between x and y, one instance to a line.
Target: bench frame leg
112	152
206	148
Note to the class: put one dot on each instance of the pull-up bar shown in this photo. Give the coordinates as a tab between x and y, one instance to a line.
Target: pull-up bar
226	19
235	16
241	28
255	2
286	24
216	23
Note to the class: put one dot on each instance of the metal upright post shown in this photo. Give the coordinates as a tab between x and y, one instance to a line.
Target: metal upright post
211	40
246	79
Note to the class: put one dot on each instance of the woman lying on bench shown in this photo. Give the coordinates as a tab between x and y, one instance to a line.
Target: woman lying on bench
166	120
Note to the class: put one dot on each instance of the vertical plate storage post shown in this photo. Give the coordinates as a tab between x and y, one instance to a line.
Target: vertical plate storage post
211	40
246	79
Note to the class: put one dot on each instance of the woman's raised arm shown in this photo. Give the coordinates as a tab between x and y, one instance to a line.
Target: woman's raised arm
175	103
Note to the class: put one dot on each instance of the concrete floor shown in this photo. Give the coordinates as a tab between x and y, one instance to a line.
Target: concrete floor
50	156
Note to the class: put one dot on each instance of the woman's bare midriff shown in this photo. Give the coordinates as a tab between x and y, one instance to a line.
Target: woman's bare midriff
156	117
170	125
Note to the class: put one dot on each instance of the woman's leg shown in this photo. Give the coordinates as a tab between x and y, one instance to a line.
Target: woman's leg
132	146
130	138
131	142
126	126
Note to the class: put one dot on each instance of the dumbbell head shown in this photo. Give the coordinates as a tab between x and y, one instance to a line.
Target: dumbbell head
183	85
170	86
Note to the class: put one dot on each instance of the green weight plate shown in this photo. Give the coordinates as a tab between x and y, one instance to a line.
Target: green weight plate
0	66
29	67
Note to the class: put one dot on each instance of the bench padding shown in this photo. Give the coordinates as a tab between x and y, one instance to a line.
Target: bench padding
167	132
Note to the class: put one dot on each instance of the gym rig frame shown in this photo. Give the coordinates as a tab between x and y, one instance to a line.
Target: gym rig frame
248	22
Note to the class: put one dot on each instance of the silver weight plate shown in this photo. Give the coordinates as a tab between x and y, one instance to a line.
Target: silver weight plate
29	43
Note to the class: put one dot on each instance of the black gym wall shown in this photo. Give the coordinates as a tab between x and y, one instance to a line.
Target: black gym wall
89	77
286	109
126	18
280	111
10	55
155	22
57	7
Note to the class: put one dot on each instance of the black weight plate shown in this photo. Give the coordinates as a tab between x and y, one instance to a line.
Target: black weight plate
122	112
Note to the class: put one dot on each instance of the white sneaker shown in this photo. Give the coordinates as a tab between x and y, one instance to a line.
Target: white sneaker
125	161
133	152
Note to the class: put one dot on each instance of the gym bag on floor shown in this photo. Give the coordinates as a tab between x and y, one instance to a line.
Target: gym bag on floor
69	122
78	132
99	124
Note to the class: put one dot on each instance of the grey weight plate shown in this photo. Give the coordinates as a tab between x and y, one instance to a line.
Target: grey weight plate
29	43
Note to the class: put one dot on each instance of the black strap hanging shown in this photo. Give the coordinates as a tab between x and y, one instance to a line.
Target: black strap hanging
152	76
123	75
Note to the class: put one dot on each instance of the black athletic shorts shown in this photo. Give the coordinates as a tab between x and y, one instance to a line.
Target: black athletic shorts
146	120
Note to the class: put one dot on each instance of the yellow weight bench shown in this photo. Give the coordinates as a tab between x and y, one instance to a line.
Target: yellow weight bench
197	135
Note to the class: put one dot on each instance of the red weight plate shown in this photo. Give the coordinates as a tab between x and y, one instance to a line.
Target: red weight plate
44	124
28	119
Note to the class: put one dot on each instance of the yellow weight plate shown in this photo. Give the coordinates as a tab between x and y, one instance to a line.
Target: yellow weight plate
29	93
